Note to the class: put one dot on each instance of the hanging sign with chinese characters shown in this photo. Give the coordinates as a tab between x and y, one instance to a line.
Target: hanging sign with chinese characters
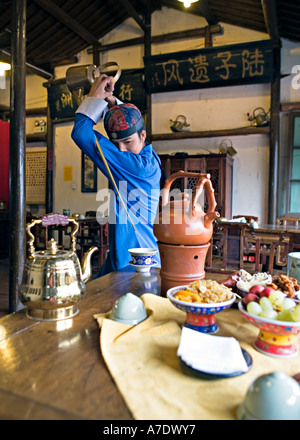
61	102
247	63
129	88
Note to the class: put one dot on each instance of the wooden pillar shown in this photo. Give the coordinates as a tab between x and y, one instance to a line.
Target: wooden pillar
96	55
17	203
50	165
148	53
274	137
270	16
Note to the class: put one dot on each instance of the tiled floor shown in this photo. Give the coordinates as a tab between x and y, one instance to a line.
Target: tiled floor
4	287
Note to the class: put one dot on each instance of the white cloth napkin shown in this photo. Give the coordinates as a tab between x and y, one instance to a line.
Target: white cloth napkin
237	220
211	354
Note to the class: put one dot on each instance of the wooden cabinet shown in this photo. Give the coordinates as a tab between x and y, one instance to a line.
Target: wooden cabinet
219	166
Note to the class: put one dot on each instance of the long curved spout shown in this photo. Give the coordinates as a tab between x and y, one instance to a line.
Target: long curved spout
86	266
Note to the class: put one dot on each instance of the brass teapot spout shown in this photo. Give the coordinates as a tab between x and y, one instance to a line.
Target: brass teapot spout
86	266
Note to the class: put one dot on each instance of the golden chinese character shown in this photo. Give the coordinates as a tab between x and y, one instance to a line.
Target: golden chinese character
199	71
253	63
225	56
125	93
171	72
66	99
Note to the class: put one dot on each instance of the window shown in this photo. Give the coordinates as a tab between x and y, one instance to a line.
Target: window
293	199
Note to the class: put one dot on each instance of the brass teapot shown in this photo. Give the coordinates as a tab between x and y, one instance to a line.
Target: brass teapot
182	221
53	280
80	78
179	124
260	117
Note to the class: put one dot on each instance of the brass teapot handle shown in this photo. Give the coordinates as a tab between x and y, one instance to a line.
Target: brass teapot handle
203	181
109	64
52	220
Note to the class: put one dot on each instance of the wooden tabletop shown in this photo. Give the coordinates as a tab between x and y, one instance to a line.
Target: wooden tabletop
260	227
54	370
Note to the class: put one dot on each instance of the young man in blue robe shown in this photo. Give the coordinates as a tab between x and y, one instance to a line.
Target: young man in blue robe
134	165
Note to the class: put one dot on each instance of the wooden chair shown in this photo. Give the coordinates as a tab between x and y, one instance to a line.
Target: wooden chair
268	251
288	221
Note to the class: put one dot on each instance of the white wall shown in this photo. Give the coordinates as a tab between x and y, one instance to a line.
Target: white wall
206	109
67	194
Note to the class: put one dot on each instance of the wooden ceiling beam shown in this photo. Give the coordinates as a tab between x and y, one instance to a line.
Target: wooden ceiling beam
156	39
132	12
271	20
67	20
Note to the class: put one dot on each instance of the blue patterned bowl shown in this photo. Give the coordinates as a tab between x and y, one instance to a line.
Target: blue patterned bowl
199	316
142	256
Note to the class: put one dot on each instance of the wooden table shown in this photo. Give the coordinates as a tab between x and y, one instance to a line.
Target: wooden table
54	370
235	238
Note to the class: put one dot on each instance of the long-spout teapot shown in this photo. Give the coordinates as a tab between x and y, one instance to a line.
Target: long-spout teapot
182	220
53	280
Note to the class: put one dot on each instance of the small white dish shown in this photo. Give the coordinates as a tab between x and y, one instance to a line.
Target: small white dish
139	268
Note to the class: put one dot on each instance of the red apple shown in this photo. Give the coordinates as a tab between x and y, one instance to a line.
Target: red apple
249	298
257	289
266	292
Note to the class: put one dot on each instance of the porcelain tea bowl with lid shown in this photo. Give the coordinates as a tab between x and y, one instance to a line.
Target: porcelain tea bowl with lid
275	338
199	316
128	309
142	258
274	396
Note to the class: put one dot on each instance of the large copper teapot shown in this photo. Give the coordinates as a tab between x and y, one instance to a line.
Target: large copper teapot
53	280
182	220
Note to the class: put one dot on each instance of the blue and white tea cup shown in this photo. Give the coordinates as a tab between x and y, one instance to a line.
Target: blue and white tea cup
142	256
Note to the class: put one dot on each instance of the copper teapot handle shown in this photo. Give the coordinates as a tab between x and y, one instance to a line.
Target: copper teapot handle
202	182
52	220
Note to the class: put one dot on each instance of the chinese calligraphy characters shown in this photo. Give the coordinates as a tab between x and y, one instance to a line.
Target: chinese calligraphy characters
234	64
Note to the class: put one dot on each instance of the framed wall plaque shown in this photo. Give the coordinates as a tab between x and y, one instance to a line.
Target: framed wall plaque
36	165
88	174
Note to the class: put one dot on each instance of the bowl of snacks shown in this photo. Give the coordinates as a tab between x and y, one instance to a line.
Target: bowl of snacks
247	281
277	317
287	285
201	300
243	282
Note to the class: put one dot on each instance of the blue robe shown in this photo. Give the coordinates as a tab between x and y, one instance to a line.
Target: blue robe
137	177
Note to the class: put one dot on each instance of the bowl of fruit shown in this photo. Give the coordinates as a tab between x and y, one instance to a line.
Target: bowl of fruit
277	316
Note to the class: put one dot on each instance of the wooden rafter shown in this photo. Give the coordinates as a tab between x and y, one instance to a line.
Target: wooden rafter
67	20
